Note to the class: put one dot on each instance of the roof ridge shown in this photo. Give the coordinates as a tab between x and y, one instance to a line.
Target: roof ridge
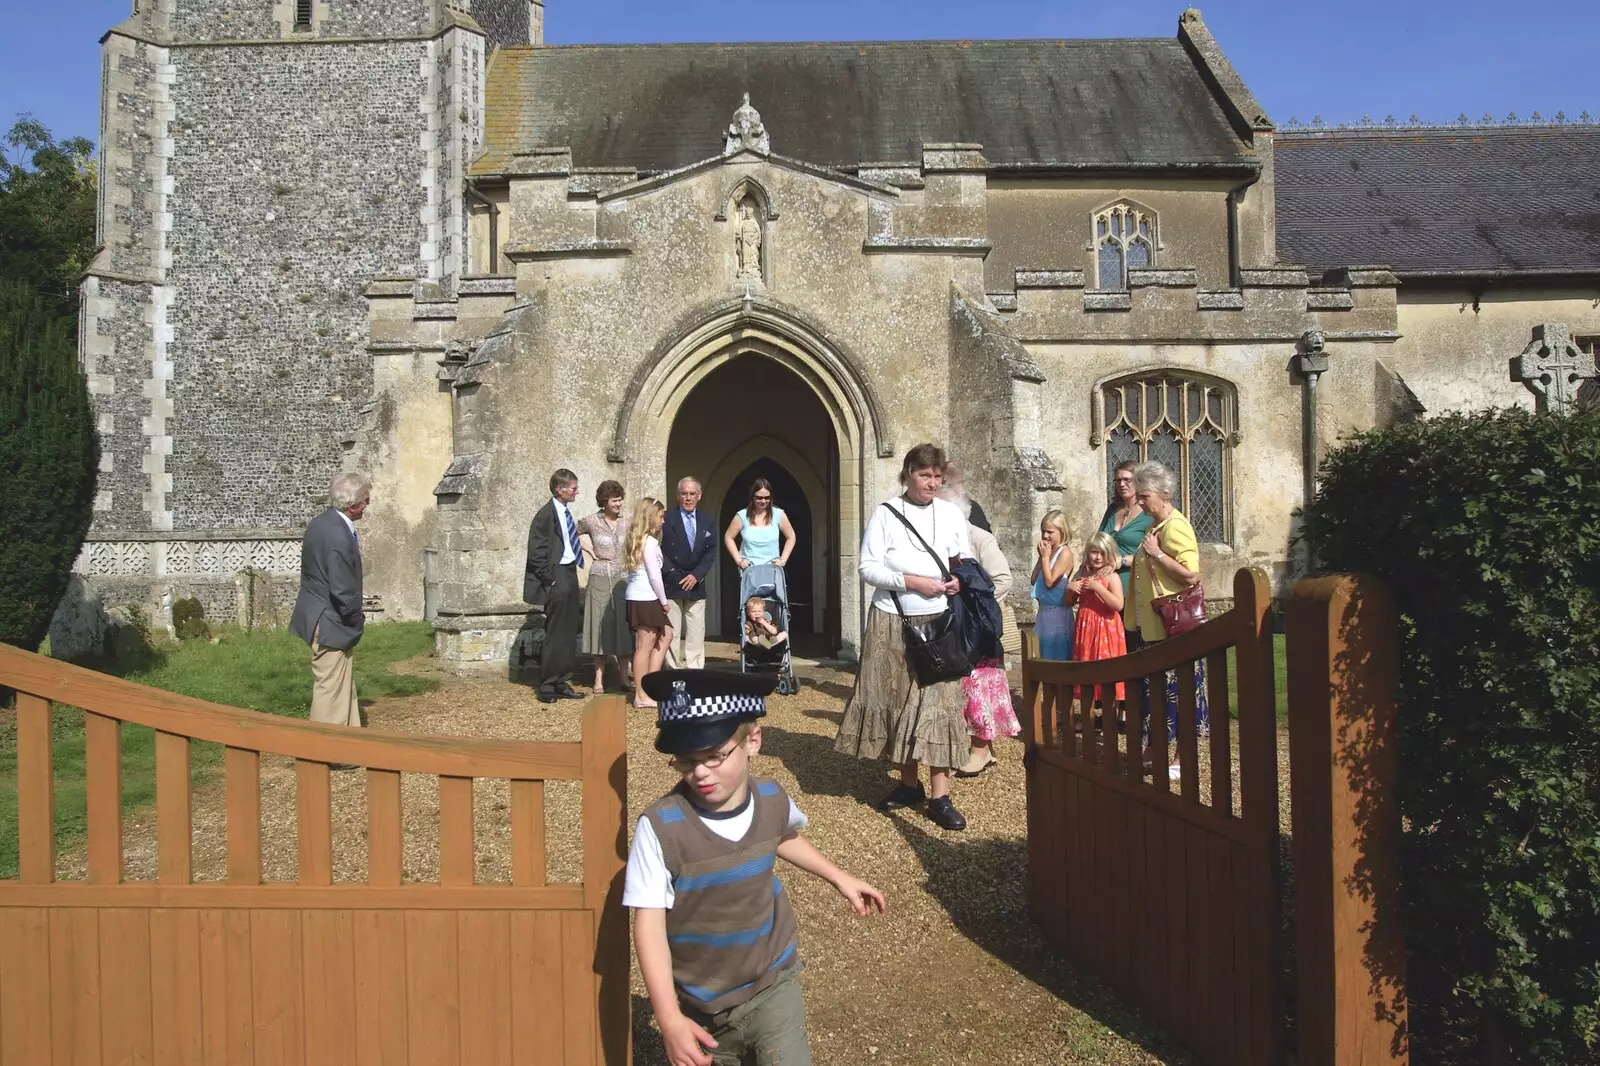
959	42
1390	123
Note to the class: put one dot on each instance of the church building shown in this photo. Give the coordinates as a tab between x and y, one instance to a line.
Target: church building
410	238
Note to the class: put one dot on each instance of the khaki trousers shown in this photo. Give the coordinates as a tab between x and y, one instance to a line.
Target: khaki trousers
333	686
688	648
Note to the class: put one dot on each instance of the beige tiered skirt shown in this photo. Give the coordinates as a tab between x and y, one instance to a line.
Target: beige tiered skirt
890	716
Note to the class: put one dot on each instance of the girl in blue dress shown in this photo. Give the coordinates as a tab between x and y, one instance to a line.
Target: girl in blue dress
1053	624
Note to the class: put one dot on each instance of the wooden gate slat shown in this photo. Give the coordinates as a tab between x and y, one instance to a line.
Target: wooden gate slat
580	1032
1201	954
126	1013
1221	733
486	1003
385	833
277	975
226	1011
314	822
176	987
455	831
382	1032
74	983
36	796
102	780
538	1037
25	994
174	810
1188	733
528	851
330	987
433	988
1224	994
243	769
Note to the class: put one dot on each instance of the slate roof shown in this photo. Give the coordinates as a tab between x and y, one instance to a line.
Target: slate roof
1079	104
1484	200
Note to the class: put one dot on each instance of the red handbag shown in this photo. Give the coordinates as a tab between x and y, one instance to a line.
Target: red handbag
1183	610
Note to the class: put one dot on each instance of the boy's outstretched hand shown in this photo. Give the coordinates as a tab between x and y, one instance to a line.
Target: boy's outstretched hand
686	1041
863	898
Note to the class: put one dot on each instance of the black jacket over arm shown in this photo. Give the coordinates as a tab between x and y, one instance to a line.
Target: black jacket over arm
680	558
544	555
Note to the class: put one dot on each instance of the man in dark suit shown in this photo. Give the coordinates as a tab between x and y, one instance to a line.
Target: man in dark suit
551	579
688	550
328	613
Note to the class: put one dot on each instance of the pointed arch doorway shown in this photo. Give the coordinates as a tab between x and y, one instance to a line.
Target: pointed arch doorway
753	417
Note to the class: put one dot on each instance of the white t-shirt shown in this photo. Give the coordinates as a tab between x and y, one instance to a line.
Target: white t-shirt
889	551
649	885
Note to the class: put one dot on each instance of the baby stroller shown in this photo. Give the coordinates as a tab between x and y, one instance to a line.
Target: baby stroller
766	581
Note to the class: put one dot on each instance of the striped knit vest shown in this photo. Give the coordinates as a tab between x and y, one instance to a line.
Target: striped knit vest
731	929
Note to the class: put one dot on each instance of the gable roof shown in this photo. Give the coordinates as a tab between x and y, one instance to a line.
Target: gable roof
1076	104
1458	201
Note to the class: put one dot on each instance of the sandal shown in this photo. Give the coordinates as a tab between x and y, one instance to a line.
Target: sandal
968	771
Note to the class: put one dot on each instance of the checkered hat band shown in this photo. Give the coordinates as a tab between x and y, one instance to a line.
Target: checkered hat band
684	710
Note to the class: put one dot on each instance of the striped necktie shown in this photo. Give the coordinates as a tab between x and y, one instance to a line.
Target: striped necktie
572	537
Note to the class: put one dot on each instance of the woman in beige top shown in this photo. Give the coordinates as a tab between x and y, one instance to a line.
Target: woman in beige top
605	613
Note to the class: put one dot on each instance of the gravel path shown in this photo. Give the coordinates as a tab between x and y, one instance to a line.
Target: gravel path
955	973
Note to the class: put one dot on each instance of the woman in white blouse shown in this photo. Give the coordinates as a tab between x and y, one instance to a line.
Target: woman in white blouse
889	715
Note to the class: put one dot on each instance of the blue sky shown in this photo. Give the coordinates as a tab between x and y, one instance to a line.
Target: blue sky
1379	57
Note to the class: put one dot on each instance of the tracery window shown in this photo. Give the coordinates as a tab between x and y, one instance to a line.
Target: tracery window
1124	240
1188	425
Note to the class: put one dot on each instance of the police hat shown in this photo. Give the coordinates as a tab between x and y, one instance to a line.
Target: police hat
700	709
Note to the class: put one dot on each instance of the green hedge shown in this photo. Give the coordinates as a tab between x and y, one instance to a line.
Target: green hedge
1487	528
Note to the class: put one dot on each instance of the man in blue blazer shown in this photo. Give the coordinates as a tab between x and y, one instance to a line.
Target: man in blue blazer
688	550
328	612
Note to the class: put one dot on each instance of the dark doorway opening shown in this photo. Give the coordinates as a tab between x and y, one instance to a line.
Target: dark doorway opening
787	495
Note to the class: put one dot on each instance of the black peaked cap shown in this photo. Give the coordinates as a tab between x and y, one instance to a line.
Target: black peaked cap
700	709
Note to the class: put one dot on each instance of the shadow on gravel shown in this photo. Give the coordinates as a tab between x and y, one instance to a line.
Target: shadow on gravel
982	885
822	771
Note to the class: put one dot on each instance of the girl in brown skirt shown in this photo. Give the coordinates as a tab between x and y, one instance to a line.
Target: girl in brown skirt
889	715
646	596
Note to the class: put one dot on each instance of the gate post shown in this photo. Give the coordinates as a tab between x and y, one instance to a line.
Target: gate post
1343	665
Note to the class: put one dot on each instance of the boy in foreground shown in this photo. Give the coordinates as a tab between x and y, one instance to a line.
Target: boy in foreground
711	922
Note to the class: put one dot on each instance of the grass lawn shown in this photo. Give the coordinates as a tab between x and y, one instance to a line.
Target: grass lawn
262	671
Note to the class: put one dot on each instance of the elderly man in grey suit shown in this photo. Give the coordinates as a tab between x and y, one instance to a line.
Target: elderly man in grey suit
328	612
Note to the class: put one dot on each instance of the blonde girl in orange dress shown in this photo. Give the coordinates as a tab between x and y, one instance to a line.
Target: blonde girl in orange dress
1097	590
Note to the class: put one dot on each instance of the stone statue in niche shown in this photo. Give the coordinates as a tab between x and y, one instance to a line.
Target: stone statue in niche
747	240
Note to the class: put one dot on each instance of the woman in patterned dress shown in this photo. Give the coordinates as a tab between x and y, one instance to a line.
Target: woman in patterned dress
605	612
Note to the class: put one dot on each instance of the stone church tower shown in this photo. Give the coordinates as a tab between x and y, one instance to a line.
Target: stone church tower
263	160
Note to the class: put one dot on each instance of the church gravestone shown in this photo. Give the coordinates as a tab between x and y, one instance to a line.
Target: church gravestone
1553	368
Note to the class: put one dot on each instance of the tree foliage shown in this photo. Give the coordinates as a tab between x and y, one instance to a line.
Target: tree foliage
48	458
47	212
1487	527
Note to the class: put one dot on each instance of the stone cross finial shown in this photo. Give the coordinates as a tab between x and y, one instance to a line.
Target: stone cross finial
1553	368
746	132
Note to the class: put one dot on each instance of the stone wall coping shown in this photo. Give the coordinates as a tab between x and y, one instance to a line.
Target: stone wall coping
1049	279
540	163
381	288
147	536
128	279
935	245
1107	301
1322	299
487	285
667	177
1219	299
953	159
404	347
897	175
593	248
1278	277
434	310
1164	277
1003	301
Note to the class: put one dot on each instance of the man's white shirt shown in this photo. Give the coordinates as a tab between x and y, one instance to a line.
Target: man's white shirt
563	512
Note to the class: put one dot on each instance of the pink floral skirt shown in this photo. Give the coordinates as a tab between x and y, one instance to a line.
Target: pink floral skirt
989	712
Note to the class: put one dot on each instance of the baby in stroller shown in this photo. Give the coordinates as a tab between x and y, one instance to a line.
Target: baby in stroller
764	641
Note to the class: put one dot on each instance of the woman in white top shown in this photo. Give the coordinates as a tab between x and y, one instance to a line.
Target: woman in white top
646	595
889	715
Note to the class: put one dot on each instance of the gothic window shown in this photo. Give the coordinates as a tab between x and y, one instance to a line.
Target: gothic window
1124	240
302	14
1188	425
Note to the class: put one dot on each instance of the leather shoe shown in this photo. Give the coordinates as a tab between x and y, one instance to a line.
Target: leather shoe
943	814
567	692
903	795
548	697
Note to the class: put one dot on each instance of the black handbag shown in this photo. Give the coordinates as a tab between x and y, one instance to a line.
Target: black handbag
935	650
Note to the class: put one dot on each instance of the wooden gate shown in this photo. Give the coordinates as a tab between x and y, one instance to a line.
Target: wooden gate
1171	896
178	973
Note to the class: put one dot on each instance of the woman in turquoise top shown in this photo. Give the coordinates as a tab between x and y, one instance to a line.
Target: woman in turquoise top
1127	523
754	533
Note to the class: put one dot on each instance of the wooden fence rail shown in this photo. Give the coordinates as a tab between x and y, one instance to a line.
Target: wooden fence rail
1172	896
177	972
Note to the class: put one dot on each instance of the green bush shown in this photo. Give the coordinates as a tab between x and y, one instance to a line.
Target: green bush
189	620
1487	528
48	457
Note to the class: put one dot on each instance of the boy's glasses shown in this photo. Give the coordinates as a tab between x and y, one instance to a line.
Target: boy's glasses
685	764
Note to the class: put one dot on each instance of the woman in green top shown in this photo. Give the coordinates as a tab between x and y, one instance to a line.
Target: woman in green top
1127	523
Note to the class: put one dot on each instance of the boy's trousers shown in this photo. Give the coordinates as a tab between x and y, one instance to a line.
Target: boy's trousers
769	1030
